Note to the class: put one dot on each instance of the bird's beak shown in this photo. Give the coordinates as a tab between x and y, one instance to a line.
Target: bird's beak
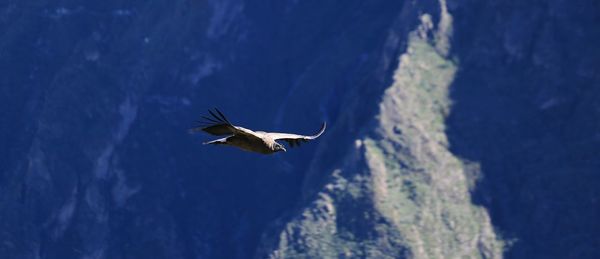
284	150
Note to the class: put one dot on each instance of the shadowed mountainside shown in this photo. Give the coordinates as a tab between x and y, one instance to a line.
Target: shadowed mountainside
526	109
456	128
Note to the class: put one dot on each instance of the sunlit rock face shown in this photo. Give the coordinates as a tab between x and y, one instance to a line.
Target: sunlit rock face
455	129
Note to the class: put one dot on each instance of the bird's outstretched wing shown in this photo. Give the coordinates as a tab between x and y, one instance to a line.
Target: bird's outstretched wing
295	139
217	124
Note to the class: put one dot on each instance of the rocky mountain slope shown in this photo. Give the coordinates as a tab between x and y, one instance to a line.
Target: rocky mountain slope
456	129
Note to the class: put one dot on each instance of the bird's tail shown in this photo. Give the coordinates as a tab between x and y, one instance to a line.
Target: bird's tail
221	141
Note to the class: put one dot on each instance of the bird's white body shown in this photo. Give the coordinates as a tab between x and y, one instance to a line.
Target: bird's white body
263	145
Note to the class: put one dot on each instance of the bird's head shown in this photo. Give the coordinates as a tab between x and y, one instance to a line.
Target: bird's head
278	147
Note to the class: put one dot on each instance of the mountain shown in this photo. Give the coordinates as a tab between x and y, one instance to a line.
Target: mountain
455	129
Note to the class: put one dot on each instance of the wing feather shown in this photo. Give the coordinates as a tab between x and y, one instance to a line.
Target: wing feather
219	125
222	116
296	139
210	119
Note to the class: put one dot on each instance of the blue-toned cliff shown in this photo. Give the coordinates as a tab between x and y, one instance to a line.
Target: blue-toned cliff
456	128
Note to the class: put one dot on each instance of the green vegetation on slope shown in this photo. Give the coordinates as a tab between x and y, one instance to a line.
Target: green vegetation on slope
400	191
418	184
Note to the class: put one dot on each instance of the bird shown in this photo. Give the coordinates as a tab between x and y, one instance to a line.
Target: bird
248	140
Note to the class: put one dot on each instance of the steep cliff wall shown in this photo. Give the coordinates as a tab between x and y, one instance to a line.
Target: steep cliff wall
526	109
458	128
399	191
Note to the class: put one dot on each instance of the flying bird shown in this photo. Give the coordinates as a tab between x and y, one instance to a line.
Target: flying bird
254	141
